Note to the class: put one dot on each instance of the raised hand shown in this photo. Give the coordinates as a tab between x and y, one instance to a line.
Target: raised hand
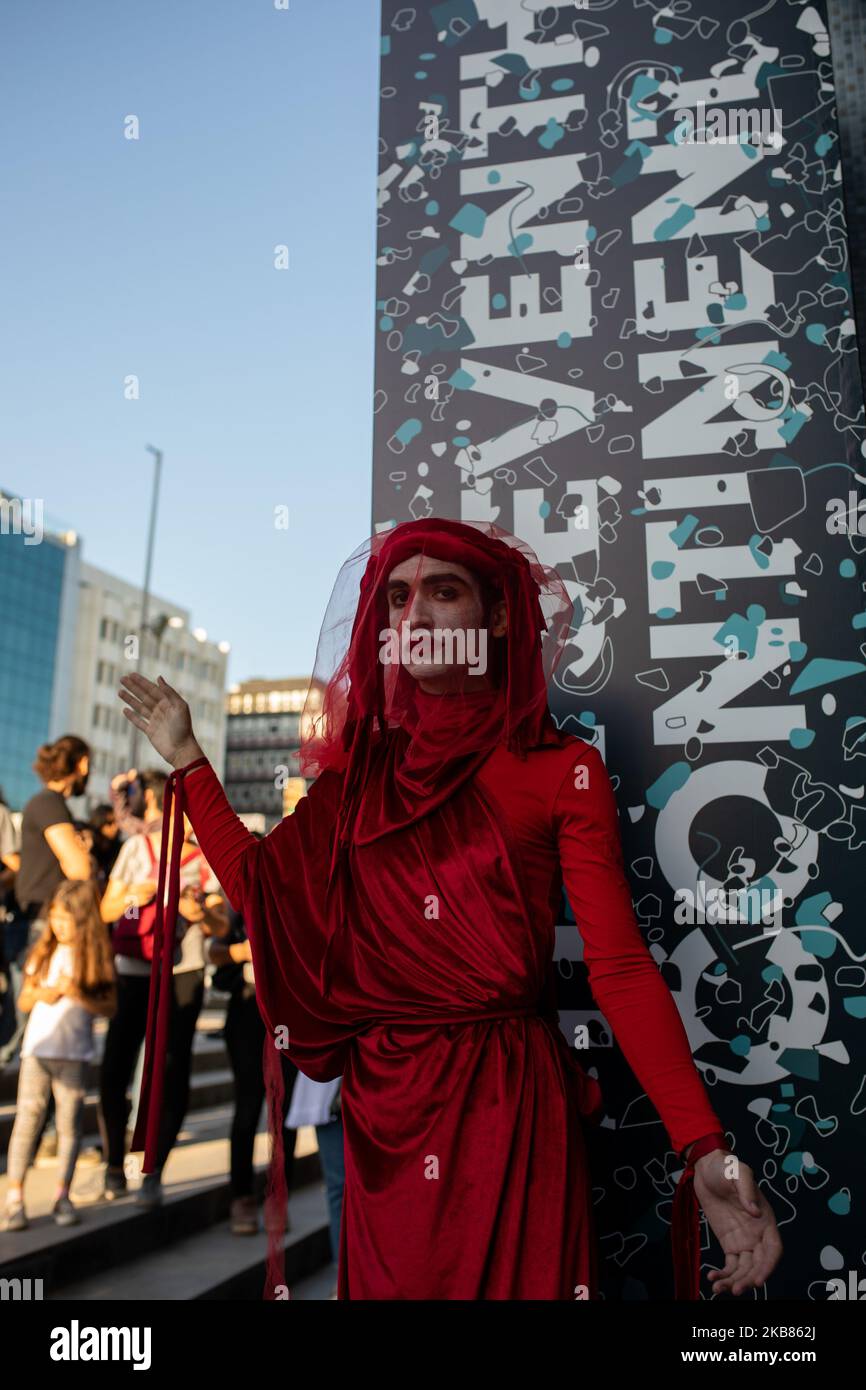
742	1221
162	715
123	779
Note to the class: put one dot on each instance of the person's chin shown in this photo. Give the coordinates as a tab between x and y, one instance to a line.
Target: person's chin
429	671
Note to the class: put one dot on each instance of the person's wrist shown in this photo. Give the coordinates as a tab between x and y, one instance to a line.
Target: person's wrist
188	751
705	1159
713	1142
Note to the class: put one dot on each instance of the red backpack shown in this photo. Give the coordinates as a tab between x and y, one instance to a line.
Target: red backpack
133	936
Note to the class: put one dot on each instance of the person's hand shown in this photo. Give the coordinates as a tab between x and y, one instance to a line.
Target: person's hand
162	715
741	1219
63	985
190	906
123	779
217	952
216	915
138	894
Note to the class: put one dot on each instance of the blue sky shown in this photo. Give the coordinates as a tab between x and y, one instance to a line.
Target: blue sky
155	257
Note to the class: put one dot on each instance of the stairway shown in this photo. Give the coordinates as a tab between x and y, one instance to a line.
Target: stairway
184	1249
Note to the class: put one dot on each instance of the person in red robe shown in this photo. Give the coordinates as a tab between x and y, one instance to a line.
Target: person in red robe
402	925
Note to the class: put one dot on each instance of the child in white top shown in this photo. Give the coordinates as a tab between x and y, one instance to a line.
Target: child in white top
68	980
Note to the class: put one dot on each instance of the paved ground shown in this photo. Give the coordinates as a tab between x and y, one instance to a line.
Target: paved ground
186	1268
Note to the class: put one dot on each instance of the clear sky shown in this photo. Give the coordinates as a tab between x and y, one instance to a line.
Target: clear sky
155	257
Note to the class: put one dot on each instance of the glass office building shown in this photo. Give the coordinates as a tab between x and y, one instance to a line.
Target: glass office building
38	595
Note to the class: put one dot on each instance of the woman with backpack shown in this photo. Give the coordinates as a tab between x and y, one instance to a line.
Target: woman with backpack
129	903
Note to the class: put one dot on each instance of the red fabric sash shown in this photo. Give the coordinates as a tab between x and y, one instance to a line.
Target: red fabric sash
146	1134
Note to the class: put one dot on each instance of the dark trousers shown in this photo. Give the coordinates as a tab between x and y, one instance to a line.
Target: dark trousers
329	1137
245	1037
124	1038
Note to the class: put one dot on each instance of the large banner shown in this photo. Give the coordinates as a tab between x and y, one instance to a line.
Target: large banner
614	315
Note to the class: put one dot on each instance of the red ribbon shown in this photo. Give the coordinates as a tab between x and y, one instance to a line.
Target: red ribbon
147	1123
685	1221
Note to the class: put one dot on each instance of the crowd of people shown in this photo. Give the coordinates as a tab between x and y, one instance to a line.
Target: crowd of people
78	910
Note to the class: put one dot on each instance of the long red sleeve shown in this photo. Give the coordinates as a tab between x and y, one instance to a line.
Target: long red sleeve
222	835
623	976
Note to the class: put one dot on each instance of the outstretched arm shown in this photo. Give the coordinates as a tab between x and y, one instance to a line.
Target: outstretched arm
162	714
637	1003
623	976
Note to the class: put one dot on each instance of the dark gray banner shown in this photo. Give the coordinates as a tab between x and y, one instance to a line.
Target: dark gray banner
614	316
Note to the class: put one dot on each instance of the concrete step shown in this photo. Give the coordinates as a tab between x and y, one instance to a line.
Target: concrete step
118	1236
320	1287
209	1054
209	1061
207	1089
214	1264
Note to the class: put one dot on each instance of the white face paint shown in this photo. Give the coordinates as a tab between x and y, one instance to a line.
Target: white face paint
436	618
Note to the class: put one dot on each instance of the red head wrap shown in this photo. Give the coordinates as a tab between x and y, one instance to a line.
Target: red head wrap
405	752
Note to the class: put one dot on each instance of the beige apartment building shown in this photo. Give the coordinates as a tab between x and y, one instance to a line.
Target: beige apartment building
108	615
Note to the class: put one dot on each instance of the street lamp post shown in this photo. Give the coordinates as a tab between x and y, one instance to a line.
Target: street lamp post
145	597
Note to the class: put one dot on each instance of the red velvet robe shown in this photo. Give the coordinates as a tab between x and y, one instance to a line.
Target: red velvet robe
463	1105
